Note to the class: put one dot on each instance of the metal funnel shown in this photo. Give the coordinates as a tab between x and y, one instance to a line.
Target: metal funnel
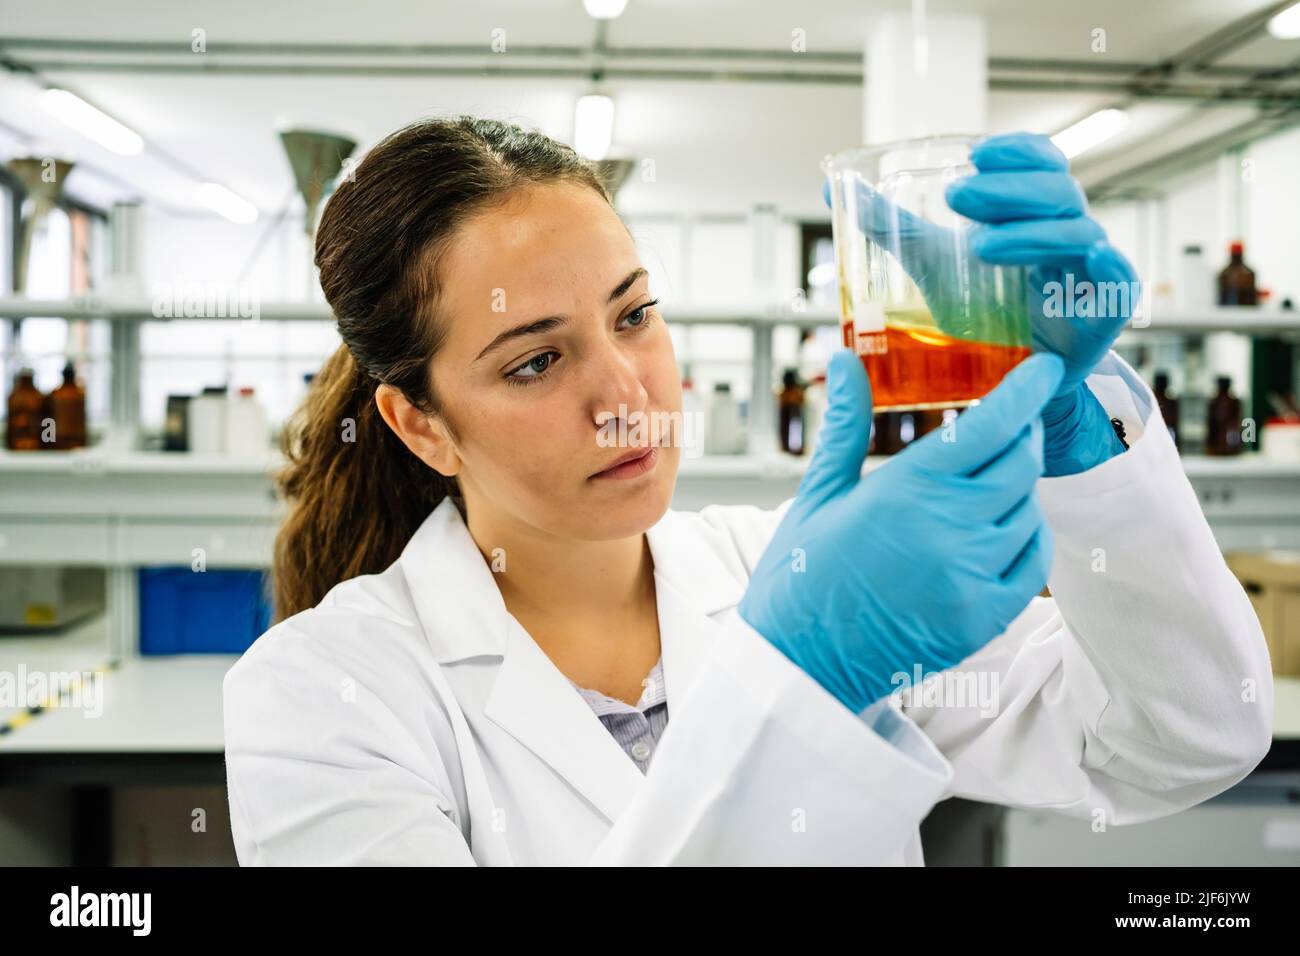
315	158
42	179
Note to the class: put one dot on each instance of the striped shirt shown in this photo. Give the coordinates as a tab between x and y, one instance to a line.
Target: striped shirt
636	729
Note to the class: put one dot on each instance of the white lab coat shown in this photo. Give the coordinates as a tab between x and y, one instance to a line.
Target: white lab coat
409	718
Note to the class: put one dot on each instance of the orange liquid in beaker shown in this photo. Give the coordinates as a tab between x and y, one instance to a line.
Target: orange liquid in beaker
922	368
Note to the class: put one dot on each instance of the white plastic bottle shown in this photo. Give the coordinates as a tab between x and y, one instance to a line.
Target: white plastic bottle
207	425
246	430
1194	289
725	433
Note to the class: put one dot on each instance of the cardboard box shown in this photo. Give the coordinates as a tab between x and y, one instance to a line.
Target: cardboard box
1272	580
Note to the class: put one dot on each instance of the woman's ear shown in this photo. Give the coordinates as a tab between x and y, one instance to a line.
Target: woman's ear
425	435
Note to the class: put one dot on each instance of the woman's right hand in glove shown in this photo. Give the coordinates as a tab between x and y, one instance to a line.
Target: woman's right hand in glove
925	559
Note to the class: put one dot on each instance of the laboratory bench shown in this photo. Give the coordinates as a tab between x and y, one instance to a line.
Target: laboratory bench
161	726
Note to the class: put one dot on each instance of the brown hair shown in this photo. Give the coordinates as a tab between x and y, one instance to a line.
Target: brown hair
356	493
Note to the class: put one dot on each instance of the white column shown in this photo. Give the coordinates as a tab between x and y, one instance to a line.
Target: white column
925	75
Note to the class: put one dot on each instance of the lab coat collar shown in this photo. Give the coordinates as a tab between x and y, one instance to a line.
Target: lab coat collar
463	615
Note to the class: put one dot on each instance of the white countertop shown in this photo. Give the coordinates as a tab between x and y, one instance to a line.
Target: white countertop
173	704
148	704
96	461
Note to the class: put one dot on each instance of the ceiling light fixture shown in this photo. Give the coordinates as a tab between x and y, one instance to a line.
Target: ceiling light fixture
593	126
226	203
604	9
92	123
1090	131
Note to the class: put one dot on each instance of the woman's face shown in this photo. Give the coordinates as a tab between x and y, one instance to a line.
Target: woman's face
552	345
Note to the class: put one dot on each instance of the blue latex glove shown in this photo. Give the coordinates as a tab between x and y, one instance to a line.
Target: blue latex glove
1078	434
1033	212
1029	211
924	560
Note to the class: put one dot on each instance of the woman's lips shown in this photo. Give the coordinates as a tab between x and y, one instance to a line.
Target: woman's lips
634	467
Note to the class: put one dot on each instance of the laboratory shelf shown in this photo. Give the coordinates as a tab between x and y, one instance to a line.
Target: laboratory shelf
778	465
1239	466
102	506
92	463
141	309
760	315
1244	319
101	461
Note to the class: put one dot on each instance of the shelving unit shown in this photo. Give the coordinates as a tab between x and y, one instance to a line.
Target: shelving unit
126	314
761	319
120	508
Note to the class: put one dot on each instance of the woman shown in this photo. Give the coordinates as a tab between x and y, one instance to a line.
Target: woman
473	586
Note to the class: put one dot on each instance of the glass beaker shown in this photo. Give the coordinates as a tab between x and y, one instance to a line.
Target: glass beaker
935	326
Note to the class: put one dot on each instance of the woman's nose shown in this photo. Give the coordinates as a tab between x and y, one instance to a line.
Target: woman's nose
616	386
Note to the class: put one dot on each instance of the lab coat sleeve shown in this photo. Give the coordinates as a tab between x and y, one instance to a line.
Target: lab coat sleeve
1143	685
760	765
320	771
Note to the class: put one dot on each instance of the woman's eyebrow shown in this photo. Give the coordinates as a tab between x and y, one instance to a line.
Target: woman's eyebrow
552	322
626	284
535	327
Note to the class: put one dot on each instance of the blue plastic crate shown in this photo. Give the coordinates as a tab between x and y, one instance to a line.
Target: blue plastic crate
211	612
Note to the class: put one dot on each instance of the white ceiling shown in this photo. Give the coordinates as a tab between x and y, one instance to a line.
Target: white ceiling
718	146
1137	29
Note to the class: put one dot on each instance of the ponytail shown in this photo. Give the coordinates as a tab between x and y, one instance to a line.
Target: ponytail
357	493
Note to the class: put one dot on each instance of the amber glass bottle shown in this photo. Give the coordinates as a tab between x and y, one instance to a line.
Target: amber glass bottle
1168	405
26	406
791	421
1237	280
1223	421
67	406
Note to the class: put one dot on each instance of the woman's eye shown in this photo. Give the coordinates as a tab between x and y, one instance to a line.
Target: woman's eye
536	368
643	312
532	370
